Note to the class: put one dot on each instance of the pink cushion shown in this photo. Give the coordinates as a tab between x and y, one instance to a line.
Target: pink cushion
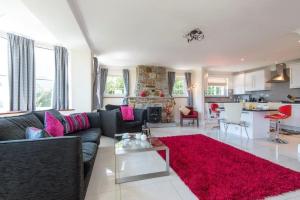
127	113
53	126
76	122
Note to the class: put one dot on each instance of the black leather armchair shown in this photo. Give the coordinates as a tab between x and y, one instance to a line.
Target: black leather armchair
112	122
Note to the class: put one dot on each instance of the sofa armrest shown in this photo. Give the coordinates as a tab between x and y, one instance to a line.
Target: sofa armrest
48	169
94	118
109	122
140	114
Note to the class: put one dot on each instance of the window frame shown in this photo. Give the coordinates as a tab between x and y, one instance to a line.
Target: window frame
185	90
226	87
44	78
6	76
106	95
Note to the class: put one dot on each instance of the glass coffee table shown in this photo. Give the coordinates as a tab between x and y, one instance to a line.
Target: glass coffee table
127	143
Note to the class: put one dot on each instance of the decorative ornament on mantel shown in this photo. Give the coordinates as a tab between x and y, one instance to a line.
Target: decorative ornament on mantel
195	34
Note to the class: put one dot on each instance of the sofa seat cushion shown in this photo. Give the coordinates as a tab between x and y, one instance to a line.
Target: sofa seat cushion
89	151
14	128
131	124
88	135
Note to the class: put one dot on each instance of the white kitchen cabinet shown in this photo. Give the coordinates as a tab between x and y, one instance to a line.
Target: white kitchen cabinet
257	80
294	75
239	84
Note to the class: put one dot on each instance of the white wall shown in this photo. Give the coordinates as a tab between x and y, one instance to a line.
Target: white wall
80	79
198	91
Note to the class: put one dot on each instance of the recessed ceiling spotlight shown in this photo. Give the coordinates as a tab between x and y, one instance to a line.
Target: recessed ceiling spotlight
195	34
298	41
242	59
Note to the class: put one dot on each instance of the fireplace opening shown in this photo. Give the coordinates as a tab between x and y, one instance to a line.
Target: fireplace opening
154	114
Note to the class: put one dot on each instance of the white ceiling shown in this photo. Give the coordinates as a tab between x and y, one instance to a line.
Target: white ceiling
132	32
15	17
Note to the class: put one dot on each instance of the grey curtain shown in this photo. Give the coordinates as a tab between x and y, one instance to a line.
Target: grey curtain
126	84
188	80
21	73
171	81
103	77
61	87
96	83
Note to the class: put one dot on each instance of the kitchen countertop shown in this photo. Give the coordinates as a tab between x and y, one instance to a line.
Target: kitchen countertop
255	110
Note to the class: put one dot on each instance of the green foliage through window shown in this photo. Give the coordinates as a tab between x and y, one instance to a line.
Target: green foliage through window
179	88
114	85
215	90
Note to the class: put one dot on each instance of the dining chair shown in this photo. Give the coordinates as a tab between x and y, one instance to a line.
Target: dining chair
233	115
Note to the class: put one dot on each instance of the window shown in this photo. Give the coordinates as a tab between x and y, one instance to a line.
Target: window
217	86
44	73
114	86
179	88
4	85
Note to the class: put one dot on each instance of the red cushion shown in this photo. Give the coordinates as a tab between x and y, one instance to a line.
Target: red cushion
127	113
53	126
76	122
194	114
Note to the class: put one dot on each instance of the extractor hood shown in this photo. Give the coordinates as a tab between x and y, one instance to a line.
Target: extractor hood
281	75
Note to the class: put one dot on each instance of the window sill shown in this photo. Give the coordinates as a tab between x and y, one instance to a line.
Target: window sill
180	96
217	96
114	96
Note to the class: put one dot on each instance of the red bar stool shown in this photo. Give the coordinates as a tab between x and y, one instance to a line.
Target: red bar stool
214	109
284	112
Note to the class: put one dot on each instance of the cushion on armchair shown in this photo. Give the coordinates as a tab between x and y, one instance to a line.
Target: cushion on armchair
127	113
184	110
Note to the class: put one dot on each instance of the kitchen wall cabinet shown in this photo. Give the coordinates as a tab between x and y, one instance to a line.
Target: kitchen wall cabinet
294	75
256	81
239	84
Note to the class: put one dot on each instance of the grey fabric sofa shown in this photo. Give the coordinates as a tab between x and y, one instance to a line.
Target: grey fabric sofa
48	168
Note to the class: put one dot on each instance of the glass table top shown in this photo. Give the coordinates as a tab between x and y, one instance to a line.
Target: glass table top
126	143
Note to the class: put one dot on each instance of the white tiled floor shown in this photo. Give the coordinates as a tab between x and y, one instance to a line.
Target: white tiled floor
103	187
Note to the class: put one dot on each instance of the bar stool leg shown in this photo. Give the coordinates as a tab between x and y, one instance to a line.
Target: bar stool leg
277	134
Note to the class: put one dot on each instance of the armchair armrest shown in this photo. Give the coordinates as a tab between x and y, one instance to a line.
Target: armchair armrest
109	122
94	118
140	115
48	168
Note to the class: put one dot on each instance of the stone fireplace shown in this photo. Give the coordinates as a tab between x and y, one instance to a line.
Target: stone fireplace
152	91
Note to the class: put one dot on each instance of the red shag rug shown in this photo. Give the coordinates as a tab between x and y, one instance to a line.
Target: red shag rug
214	170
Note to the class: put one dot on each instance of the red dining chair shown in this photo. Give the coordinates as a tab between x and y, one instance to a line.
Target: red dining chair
284	112
193	115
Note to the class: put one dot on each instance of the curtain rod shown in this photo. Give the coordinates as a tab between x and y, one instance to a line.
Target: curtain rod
36	43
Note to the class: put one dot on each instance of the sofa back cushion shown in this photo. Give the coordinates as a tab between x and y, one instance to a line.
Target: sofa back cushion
14	128
113	107
76	122
41	115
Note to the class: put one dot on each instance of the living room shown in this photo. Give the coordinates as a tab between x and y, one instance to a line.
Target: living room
130	100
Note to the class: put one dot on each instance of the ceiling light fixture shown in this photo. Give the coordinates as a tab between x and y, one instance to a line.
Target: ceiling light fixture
242	59
195	34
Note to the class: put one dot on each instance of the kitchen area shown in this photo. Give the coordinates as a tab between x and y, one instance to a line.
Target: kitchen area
261	92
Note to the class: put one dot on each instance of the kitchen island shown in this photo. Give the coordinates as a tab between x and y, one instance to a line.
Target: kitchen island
257	125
